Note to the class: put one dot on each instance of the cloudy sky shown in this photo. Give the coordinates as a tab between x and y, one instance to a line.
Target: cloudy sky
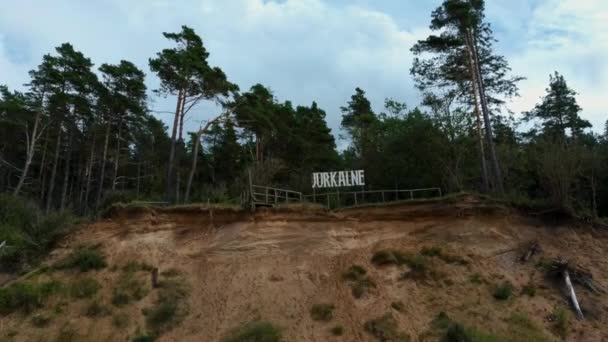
314	50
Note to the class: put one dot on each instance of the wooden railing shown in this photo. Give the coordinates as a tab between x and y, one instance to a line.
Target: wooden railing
354	198
268	196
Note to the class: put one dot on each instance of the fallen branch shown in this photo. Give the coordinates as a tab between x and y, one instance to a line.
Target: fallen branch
561	267
530	252
577	308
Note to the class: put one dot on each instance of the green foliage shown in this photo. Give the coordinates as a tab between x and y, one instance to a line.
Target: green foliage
84	288
128	288
170	307
67	334
40	320
143	338
322	312
338	330
523	329
529	290
171	273
562	322
26	296
476	278
120	320
134	266
29	233
96	309
84	259
503	291
354	273
258	331
385	329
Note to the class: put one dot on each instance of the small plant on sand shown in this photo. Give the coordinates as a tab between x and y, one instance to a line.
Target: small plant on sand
96	309
67	334
84	288
120	320
385	329
40	320
439	253
135	266
398	306
338	330
503	291
322	312
562	322
383	258
529	290
169	309
128	288
354	273
26	296
84	259
255	332
476	278
143	338
360	283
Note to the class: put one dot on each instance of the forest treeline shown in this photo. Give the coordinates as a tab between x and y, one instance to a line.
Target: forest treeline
81	136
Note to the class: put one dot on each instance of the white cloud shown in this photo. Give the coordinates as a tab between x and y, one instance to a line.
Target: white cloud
570	37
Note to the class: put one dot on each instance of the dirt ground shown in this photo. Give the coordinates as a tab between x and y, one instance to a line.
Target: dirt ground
274	265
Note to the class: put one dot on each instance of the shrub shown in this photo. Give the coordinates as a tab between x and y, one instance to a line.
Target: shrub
338	330
169	309
84	288
438	252
383	258
430	251
521	328
354	273
84	259
529	290
120	320
143	338
67	334
562	320
476	278
26	296
322	312
128	289
96	309
134	266
362	286
29	232
255	332
41	320
170	273
385	329
398	306
503	291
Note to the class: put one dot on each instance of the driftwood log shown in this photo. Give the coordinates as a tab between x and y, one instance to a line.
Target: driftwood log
570	274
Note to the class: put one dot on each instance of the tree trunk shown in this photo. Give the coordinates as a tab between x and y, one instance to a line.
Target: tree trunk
498	182
66	174
170	189
87	184
41	173
484	167
31	148
197	143
102	169
49	194
117	157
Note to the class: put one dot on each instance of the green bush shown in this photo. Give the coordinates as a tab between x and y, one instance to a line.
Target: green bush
96	309
431	251
562	322
169	309
26	296
354	273
41	320
362	286
255	332
128	289
503	291
143	338
134	266
84	259
84	288
30	233
383	258
338	330
385	329
120	320
529	290
322	312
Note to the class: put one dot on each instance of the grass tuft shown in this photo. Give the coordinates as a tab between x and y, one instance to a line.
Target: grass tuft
338	330
169	309
503	291
322	312
398	306
354	273
562	322
255	332
84	288
84	259
40	320
96	309
128	289
385	329
26	296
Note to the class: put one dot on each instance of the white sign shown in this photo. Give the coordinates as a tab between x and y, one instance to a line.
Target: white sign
338	179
